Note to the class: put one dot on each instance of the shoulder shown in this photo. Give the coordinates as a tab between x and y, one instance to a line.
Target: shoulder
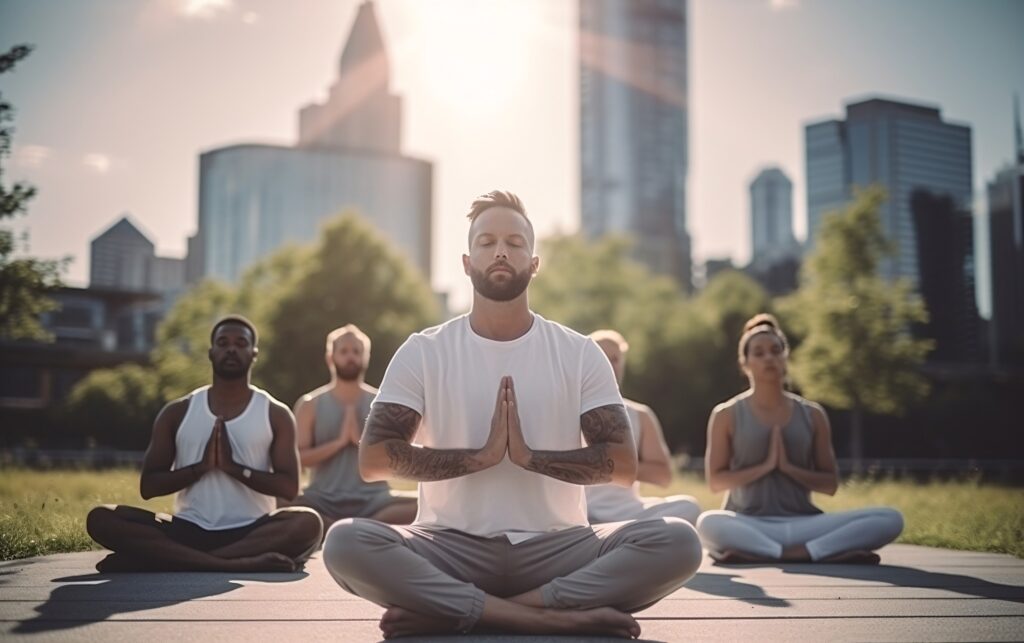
728	407
313	395
813	410
440	332
369	391
633	405
560	333
275	409
175	410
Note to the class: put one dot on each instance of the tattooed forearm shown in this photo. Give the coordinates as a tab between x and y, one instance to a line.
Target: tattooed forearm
389	430
591	465
390	422
606	430
424	465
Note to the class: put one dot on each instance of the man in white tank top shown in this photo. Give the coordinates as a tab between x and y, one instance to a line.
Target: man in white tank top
499	403
611	503
227	450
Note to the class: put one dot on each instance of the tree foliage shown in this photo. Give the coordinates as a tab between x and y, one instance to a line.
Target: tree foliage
352	276
24	281
116	406
682	359
858	352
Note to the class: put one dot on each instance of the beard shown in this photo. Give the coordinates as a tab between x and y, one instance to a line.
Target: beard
348	372
231	370
508	290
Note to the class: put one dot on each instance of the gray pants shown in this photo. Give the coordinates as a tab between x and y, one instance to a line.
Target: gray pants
446	573
824	534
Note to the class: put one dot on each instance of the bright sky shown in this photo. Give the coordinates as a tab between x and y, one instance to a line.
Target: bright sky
118	99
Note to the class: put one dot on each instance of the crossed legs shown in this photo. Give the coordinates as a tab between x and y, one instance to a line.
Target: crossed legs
579	580
144	541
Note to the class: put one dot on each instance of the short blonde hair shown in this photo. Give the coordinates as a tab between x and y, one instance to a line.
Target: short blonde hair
608	335
347	329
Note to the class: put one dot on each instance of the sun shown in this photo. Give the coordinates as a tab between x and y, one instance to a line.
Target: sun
472	55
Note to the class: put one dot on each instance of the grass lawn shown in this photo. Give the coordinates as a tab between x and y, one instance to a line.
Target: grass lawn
43	512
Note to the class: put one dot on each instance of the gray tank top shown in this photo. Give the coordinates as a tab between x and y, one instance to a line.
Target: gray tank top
337	478
775	494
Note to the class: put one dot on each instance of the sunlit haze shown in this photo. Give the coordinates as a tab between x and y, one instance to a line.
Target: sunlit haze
119	98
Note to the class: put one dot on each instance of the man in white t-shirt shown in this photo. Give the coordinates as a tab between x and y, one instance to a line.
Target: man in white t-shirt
511	415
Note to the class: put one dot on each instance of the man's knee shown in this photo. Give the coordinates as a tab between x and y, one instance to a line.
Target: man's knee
683	545
349	543
306	526
99	524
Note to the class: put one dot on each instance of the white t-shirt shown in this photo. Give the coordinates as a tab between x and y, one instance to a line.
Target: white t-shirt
450	376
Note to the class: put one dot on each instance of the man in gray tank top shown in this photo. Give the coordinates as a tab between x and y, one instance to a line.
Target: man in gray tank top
226	451
330	423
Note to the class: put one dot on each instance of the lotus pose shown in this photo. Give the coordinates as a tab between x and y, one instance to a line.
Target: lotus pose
770	449
227	451
499	403
611	502
330	424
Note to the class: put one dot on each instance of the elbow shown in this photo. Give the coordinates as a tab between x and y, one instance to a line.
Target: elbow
663	477
291	492
715	484
625	475
144	489
369	470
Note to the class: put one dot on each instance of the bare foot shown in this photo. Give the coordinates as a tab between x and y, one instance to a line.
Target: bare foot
605	621
398	622
733	557
115	563
269	562
855	557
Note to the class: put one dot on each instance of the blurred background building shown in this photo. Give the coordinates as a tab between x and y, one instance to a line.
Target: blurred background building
255	198
633	128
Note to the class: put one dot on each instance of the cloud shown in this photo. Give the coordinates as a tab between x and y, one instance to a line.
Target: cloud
250	17
99	163
205	9
31	155
782	5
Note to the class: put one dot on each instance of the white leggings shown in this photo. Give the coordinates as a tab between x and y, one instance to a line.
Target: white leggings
823	535
680	506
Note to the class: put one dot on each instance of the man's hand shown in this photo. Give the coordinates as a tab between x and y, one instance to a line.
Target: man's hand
497	443
349	433
225	458
518	451
209	461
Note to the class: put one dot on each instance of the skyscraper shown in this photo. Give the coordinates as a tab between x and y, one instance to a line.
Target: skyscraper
924	164
771	218
633	127
1006	236
254	198
900	146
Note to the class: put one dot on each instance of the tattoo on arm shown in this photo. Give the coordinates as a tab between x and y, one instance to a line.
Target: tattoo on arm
603	426
395	425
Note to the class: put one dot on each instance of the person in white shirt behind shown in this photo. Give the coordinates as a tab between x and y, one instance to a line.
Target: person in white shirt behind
610	502
499	403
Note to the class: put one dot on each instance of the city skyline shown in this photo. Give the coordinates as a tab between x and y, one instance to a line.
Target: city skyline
112	116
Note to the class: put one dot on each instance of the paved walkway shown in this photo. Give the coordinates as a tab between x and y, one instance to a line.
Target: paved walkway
917	594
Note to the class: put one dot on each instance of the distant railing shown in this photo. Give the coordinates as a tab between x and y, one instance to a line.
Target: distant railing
1003	470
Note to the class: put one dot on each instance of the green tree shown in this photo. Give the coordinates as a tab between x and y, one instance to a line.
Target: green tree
114	407
24	281
682	357
858	352
351	276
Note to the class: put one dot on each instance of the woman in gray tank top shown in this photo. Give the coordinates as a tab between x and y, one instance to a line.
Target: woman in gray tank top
770	449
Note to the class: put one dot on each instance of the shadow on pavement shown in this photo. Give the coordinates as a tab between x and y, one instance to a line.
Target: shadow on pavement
92	598
731	588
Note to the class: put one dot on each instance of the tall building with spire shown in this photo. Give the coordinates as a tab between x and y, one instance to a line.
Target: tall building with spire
633	128
254	198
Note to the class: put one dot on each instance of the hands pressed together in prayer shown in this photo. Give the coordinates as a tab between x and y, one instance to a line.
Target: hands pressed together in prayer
350	432
506	430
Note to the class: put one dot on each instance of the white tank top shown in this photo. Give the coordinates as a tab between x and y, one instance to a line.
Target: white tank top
216	500
612	502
